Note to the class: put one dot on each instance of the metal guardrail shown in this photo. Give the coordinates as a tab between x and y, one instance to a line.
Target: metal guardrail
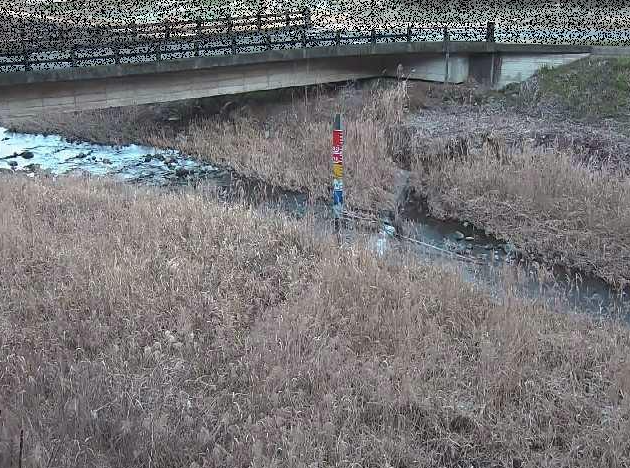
168	40
134	33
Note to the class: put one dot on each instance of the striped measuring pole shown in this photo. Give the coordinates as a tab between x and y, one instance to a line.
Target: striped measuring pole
337	170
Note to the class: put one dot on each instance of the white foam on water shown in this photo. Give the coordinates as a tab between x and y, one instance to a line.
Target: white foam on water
60	156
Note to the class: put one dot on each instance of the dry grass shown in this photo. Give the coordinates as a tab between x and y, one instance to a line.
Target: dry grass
283	351
548	202
551	204
287	144
115	126
591	89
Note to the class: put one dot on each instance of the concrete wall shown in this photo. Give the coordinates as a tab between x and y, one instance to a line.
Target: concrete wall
611	51
515	68
496	69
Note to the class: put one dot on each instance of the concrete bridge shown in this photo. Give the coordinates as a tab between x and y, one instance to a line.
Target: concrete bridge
72	81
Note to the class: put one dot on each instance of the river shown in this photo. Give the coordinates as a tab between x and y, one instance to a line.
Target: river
480	258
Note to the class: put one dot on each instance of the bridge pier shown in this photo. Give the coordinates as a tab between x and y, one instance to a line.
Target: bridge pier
485	68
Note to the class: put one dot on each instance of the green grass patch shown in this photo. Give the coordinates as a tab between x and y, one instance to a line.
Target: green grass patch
590	88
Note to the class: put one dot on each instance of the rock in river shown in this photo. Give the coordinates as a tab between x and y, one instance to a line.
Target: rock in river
459	235
13	163
509	248
33	167
26	154
182	172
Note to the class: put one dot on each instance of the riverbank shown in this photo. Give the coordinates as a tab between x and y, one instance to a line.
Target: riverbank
554	209
596	90
553	187
281	138
142	327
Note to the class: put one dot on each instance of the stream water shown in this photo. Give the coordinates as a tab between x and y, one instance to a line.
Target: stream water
481	258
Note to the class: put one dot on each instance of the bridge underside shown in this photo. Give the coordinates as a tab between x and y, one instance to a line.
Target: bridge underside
32	99
27	95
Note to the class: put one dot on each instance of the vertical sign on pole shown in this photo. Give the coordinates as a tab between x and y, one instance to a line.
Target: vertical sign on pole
337	170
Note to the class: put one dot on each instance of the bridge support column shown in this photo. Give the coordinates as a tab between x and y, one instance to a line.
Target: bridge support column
485	69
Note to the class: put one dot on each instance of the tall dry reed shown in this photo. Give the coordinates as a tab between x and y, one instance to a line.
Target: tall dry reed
143	328
548	202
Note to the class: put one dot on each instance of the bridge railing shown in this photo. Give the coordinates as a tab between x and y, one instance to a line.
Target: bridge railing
132	33
162	46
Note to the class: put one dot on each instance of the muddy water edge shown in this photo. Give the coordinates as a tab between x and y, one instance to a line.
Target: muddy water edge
480	257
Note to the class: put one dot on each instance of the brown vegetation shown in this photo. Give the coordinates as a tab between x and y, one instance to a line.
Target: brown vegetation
551	204
564	204
145	328
286	144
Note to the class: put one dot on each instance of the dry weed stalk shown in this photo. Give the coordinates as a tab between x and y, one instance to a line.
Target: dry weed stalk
143	328
545	200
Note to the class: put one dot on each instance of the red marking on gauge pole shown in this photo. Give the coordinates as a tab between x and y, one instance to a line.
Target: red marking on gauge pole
337	170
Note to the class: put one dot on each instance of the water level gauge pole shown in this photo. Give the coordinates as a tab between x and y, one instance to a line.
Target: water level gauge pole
337	170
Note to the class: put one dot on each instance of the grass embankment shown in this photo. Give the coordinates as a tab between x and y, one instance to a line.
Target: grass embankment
144	328
550	205
589	89
559	205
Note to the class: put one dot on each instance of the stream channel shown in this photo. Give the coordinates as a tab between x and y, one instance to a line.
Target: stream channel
481	259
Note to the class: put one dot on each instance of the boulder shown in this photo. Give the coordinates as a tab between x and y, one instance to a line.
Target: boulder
33	167
182	172
23	154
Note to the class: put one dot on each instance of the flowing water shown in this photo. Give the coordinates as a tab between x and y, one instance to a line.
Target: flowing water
481	258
